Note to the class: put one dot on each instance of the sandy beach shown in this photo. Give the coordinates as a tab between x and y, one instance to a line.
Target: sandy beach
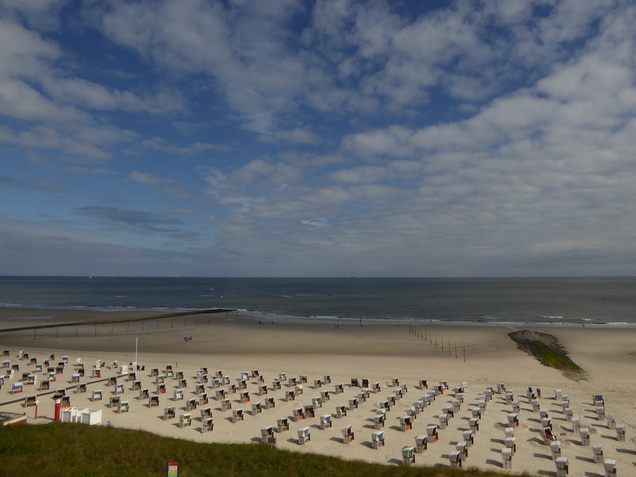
481	357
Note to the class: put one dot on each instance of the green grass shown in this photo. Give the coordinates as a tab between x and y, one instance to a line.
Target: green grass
556	360
79	450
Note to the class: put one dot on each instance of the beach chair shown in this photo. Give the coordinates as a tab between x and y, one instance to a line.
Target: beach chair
30	401
511	443
97	373
237	415
355	383
317	383
282	424
114	401
218	374
178	395
375	387
257	408
365	383
443	421
324	395
160	379
610	467
456	459
597	449
431	432
226	405
316	402
555	449
473	424
97	395
199	388
119	388
598	400
513	420
31	380
242	384
179	375
38	368
620	432
353	404
397	393
562	467
123	406
276	385
220	394
282	377
112	381
536	406
506	457
546	422
6	363
153	401
267	435
421	443
144	393
203	399
423	384
169	413
326	379
154	372
299	389
341	411
75	378
182	383
207	424
584	432
292	382
6	352
339	388
16	368
191	404
449	411
298	414
469	438
412	412
547	435
379	420
377	439
395	382
576	424
408	455
516	407
303	436
169	373
79	389
347	434
325	421
161	389
262	389
206	412
244	397
185	420
385	406
270	403
290	395
255	373
611	422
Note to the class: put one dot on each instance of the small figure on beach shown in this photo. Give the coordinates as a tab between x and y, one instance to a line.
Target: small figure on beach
538	392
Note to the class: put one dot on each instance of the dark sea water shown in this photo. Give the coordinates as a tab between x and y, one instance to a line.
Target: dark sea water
515	301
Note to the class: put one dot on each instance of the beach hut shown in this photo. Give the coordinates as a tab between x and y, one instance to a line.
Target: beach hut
303	435
377	439
325	421
347	434
408	455
562	467
421	444
506	457
267	435
282	424
207	424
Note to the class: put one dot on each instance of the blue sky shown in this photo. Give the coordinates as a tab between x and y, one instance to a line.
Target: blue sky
322	138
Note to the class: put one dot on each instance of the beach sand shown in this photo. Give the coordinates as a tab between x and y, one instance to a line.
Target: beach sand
228	342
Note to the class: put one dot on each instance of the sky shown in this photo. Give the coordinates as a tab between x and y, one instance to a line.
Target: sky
318	138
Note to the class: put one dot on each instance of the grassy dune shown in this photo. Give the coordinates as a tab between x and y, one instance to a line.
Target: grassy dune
79	450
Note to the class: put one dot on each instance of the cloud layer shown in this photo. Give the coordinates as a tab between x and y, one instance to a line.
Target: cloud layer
327	138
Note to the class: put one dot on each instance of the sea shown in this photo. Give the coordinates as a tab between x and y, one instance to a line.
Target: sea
559	302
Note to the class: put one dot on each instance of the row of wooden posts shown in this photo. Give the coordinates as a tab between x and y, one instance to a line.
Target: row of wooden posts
438	341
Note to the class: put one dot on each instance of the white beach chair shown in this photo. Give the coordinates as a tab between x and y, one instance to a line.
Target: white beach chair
511	443
421	444
463	448
97	395
620	432
303	436
406	423
185	420
408	455
207	424
456	459
584	432
325	421
598	453
610	467
123	406
506	456
282	424
377	439
431	431
469	438
555	449
562	467
267	435
169	413
270	403
473	424
347	434
257	408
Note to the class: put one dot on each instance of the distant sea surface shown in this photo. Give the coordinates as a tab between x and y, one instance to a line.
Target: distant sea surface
594	302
